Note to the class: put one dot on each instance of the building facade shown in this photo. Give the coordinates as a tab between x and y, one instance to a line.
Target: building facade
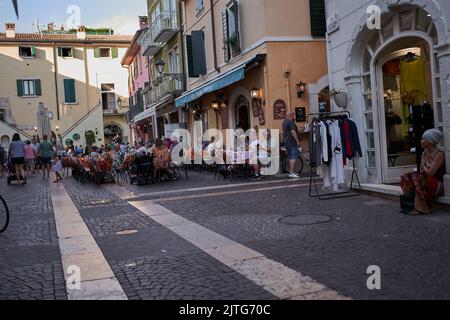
142	129
395	74
250	62
77	77
162	44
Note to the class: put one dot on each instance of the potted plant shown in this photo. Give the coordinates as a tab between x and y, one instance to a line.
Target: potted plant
340	97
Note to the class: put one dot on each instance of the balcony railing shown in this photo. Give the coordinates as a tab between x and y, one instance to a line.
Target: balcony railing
149	47
166	87
135	110
165	26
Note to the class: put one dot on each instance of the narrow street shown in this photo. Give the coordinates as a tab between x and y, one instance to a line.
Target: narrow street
202	239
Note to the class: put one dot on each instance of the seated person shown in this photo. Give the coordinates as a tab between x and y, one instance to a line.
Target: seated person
161	158
420	189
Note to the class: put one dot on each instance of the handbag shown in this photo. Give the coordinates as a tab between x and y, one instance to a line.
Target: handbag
407	201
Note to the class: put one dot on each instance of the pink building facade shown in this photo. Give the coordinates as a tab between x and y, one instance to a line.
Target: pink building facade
141	121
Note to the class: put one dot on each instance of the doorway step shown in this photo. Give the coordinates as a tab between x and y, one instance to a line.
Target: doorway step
393	191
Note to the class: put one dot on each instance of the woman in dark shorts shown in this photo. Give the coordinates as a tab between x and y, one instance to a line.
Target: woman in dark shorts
17	155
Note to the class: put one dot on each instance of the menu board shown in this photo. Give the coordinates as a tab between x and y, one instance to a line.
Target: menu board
300	114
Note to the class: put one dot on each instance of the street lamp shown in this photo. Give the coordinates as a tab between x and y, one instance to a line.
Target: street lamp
160	64
255	93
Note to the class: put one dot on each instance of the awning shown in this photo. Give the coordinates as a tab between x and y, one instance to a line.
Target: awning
230	77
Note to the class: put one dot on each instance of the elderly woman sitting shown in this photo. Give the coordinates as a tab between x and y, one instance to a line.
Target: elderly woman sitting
420	189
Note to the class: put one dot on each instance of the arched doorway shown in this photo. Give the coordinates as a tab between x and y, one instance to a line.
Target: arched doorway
113	134
400	84
242	116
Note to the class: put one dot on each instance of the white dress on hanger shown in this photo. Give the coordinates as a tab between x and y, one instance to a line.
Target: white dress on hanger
333	175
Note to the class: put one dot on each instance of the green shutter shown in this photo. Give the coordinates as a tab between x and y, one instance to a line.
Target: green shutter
69	91
190	57
226	36
198	52
115	53
72	52
20	88
33	52
318	18
37	87
59	52
97	52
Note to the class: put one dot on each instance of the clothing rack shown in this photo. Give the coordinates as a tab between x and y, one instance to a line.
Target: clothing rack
313	184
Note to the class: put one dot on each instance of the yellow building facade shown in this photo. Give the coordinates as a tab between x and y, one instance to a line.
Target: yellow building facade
77	77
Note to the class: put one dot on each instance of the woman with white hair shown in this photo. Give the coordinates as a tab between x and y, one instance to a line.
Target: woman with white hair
420	189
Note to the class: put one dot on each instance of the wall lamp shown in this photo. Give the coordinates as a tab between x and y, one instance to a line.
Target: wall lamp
301	89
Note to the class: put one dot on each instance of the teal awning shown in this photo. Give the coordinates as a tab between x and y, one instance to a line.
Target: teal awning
217	84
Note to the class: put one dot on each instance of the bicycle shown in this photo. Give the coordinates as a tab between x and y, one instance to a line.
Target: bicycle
4	215
303	158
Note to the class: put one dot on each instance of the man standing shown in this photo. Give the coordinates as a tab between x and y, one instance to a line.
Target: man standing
291	142
46	152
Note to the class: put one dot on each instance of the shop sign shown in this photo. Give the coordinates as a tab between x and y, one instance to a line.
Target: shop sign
279	110
333	23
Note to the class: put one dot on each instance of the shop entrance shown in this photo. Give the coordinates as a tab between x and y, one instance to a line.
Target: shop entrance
113	134
406	112
243	114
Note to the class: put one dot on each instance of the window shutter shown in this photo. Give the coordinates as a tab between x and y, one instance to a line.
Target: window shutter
115	53
37	87
69	91
190	57
226	35
198	52
59	52
236	49
97	52
33	52
72	52
20	88
318	18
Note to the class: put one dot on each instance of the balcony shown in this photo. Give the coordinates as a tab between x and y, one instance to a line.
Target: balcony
135	110
166	87
148	47
165	26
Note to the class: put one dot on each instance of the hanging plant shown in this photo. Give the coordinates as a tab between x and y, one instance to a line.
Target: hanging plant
340	97
76	137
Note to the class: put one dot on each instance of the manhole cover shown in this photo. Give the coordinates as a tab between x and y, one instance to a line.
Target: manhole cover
98	202
304	220
126	232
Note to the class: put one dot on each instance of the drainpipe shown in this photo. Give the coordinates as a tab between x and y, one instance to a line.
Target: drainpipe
55	62
213	30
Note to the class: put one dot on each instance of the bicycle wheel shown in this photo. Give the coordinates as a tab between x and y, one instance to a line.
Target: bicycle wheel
298	167
4	215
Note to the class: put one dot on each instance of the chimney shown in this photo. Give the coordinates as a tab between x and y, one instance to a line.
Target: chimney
143	22
51	27
10	30
81	33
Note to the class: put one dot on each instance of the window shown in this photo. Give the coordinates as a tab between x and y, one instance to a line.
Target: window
108	97
2	115
231	34
198	6
106	53
70	96
27	52
29	88
174	64
65	52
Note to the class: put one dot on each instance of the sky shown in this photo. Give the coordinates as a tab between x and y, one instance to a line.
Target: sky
120	15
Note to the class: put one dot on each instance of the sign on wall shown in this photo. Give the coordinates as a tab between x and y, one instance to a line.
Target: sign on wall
300	114
279	110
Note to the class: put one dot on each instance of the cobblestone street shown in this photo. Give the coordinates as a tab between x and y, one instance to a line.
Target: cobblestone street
229	240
